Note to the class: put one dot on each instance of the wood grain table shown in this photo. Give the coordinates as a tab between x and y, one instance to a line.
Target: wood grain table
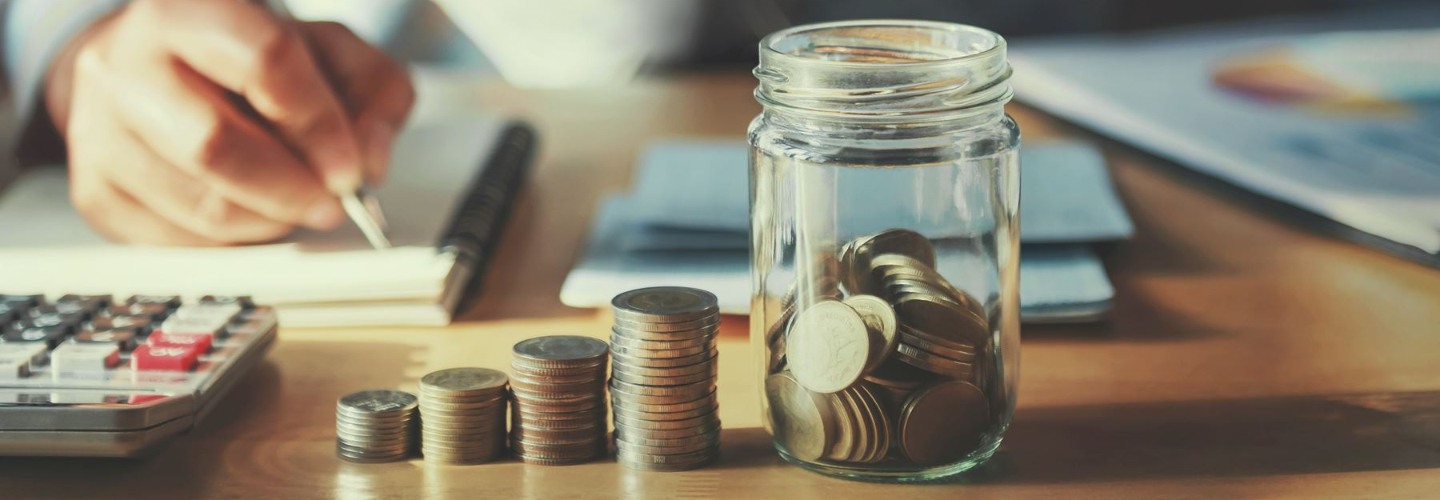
1245	357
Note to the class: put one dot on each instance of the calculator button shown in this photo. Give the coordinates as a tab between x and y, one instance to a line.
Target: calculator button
169	301
22	301
84	358
8	314
200	341
122	337
92	302
210	326
164	358
243	301
34	352
141	324
219	313
55	316
51	336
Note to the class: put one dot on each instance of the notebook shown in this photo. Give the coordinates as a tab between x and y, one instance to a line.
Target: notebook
446	198
654	236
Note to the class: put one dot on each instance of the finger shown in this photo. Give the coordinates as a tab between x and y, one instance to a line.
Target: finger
246	49
191	123
120	218
184	199
376	89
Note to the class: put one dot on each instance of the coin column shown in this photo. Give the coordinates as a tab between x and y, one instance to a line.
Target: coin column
463	415
662	385
375	426
558	416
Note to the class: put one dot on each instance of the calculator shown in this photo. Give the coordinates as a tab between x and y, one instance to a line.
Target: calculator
89	375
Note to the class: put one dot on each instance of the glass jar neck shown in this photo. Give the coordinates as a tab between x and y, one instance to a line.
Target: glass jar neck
885	74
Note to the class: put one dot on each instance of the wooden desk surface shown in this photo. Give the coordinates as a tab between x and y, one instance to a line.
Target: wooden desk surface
1245	357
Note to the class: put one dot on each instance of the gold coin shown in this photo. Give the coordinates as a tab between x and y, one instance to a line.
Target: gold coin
942	319
934	364
804	424
879	422
860	440
829	347
846	428
880	317
943	422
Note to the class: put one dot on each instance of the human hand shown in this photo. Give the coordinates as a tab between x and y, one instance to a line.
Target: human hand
214	122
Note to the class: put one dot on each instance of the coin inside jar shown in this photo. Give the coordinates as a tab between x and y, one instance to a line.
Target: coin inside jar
880	317
829	347
943	422
803	422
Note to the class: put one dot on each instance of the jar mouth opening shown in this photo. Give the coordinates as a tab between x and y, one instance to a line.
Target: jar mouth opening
881	43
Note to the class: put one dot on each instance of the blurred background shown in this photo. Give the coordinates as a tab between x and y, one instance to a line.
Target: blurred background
580	42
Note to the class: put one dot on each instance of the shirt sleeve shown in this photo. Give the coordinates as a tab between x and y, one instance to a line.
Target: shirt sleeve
34	31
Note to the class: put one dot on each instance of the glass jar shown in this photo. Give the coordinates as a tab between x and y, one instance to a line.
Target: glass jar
884	195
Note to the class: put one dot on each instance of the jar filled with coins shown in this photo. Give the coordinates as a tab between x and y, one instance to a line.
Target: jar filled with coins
885	189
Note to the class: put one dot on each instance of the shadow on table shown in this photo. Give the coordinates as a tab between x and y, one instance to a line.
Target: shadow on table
1242	437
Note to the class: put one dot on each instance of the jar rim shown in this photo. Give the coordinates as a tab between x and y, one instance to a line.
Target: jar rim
996	43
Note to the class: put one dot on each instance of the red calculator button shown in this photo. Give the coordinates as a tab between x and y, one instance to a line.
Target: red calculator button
200	341
164	358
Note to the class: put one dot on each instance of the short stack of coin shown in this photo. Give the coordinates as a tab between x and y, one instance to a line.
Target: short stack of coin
558	413
463	415
901	356
662	385
375	426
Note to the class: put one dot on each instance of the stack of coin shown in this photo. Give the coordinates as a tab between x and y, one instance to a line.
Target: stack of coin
558	415
375	426
463	413
662	385
900	356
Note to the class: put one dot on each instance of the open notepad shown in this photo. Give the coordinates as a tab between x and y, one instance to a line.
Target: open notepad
441	223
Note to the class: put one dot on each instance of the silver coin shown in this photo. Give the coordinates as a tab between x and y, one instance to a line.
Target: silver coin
664	304
707	366
662	345
664	381
377	402
637	401
650	327
693	390
464	381
666	416
708	419
630	405
631	352
634	438
524	368
647	362
560	350
634	435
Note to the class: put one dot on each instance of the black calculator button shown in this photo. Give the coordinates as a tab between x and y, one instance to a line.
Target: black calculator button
8	314
93	302
169	301
243	301
123	337
22	301
51	336
46	316
142	324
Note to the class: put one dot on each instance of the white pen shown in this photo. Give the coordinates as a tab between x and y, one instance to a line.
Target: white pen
361	205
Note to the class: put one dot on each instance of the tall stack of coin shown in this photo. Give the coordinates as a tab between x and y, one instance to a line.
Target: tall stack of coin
375	426
662	385
463	413
901	350
558	415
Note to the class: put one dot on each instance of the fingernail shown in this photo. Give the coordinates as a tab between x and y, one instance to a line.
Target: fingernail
379	137
325	214
340	164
